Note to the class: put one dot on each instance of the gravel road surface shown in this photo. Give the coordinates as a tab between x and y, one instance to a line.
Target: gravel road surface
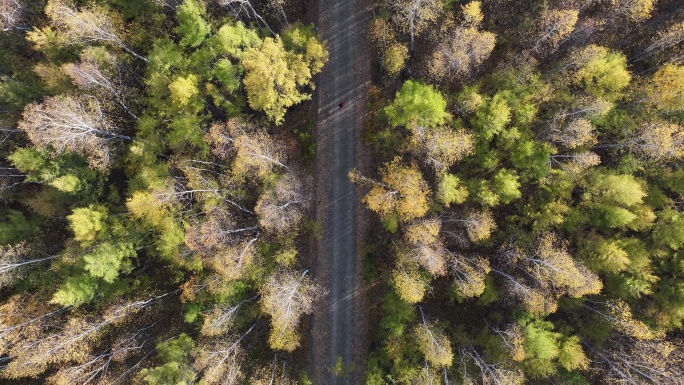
338	330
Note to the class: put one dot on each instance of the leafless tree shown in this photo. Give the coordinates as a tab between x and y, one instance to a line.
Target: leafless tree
626	360
487	373
71	124
245	7
286	296
414	15
10	14
86	26
13	262
220	360
90	75
282	208
219	320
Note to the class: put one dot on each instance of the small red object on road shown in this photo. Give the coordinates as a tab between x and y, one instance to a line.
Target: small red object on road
341	104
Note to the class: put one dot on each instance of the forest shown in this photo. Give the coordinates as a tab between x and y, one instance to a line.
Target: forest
525	189
154	199
528	192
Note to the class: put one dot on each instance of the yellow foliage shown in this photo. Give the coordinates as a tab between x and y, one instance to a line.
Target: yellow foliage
409	285
402	190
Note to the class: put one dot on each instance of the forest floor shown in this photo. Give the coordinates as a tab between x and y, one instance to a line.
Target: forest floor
339	331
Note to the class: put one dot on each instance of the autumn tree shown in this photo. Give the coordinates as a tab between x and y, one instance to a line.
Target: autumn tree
666	90
409	284
628	360
98	71
636	10
573	133
433	343
658	141
479	225
220	360
423	247
619	315
282	208
72	124
468	275
552	268
217	229
552	26
464	49
401	191
278	70
251	149
394	54
489	373
72	341
85	26
664	40
286	296
413	16
440	147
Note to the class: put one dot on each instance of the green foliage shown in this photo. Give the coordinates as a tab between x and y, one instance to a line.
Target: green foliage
492	117
531	159
417	104
278	70
234	39
108	259
483	194
541	349
624	190
184	89
75	291
669	231
507	186
192	27
604	74
397	313
15	227
174	353
450	190
86	222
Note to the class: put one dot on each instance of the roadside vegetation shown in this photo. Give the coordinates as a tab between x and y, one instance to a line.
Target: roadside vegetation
154	191
528	192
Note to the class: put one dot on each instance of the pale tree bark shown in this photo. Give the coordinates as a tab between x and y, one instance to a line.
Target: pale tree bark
13	262
220	360
632	361
414	15
86	26
286	296
71	124
282	208
10	14
89	75
487	373
245	6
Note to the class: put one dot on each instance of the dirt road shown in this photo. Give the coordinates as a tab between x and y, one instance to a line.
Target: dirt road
338	331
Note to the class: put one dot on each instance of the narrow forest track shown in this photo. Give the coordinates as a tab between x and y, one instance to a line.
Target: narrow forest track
339	332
